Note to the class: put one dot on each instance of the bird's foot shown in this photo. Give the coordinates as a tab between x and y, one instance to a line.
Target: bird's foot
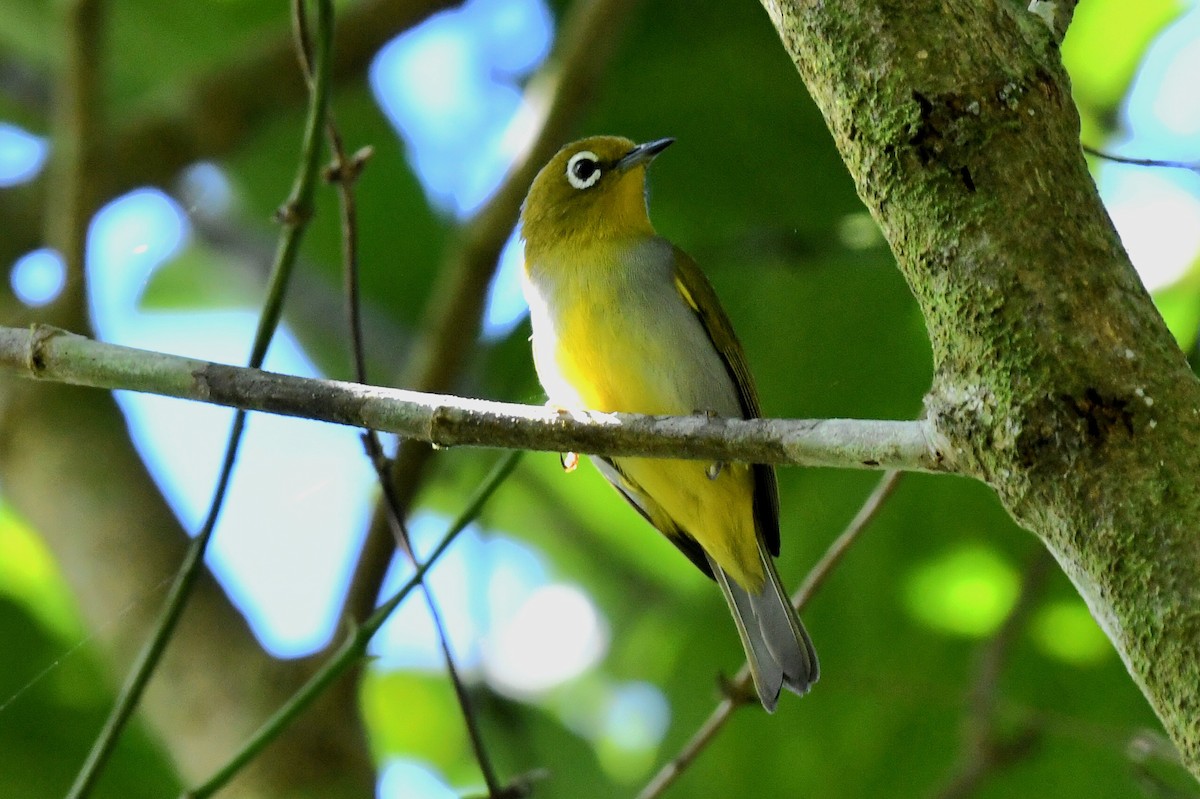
716	467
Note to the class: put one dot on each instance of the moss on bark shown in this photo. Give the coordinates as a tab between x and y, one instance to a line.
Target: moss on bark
1055	379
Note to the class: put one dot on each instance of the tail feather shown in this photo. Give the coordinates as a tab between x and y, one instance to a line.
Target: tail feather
778	648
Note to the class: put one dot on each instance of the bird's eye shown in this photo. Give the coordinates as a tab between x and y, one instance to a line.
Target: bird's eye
583	170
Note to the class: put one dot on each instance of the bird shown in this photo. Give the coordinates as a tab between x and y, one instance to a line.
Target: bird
624	321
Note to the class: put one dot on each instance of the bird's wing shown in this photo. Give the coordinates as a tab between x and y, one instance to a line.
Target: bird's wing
644	504
698	293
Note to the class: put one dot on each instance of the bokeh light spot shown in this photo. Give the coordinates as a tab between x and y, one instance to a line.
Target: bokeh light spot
403	779
506	306
1158	220
965	592
1066	631
22	155
553	637
38	277
29	575
633	726
450	88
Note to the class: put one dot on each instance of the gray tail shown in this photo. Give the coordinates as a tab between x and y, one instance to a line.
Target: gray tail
778	648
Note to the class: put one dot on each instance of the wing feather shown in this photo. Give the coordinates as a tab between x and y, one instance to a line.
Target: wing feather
637	497
698	293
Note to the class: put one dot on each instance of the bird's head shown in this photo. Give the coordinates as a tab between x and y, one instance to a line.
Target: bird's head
591	189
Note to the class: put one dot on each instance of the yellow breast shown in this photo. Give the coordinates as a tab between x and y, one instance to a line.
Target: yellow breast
612	333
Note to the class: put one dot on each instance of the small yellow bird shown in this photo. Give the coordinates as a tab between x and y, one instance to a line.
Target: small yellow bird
625	321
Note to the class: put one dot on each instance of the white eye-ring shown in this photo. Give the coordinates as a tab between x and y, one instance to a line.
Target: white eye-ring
583	170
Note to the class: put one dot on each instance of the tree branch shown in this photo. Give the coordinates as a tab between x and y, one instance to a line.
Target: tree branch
444	421
1191	166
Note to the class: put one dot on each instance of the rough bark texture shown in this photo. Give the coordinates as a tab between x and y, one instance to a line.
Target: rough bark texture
1056	380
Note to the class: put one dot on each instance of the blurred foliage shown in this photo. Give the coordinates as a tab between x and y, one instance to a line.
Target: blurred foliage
756	191
53	692
1103	48
1179	304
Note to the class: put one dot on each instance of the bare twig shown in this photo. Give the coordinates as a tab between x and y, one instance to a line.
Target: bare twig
355	646
294	216
1191	166
841	545
738	691
985	750
344	172
495	789
454	421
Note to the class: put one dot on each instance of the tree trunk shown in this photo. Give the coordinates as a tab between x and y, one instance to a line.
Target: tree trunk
1055	380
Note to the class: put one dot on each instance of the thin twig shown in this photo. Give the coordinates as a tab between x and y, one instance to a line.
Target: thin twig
841	545
737	692
1191	166
294	217
77	132
985	750
355	645
344	172
487	769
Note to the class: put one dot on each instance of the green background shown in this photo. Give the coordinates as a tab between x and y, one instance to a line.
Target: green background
754	189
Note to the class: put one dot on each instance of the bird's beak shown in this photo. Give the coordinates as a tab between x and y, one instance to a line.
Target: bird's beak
643	153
